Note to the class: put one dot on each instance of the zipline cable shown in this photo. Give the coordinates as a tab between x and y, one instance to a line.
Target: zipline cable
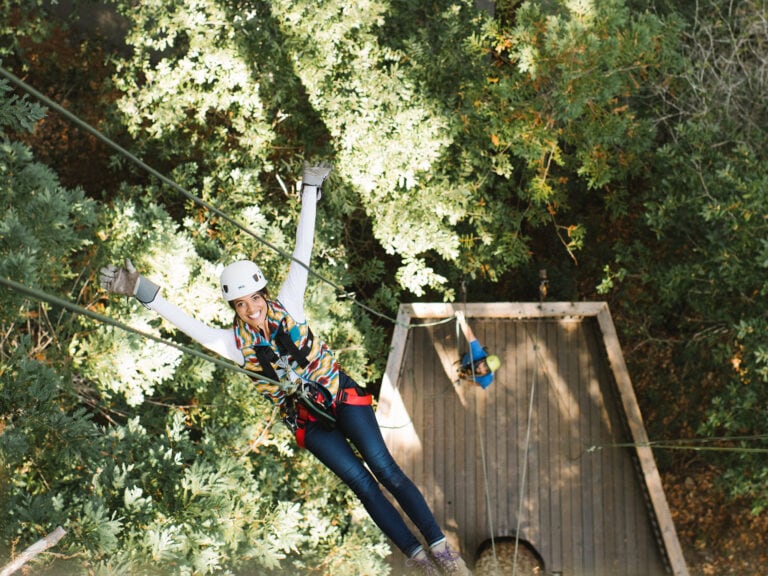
55	300
686	444
668	444
133	158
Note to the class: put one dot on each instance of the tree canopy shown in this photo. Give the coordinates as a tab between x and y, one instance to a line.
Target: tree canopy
617	144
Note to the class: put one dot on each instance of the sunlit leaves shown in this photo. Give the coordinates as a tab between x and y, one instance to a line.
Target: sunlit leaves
187	74
389	136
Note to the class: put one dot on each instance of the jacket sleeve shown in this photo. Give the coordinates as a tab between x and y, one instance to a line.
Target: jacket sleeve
476	352
218	340
292	291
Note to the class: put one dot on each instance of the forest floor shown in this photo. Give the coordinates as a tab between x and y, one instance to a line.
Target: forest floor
719	536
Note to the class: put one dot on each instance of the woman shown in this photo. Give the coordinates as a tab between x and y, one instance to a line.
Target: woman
297	371
476	364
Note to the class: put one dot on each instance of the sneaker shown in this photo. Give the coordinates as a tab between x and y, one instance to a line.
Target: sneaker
449	561
422	566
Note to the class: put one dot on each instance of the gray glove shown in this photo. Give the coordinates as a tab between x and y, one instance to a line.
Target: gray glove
127	282
315	175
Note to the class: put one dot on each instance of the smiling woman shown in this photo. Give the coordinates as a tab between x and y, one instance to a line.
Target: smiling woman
324	407
252	310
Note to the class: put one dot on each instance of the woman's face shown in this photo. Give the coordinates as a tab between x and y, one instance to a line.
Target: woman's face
481	368
252	310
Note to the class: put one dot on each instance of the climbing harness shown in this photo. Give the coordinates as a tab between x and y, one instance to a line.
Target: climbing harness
289	348
268	358
318	401
312	402
354	397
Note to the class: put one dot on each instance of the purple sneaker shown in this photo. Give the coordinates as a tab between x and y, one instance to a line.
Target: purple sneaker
422	566
449	560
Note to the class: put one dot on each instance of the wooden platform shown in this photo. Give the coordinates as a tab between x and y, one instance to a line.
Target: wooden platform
588	507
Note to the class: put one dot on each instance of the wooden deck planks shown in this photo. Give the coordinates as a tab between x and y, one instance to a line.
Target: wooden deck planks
585	511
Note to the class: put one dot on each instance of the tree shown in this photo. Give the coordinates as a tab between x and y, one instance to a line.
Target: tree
175	483
560	124
695	268
573	135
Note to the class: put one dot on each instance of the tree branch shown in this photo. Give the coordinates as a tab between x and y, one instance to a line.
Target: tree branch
40	546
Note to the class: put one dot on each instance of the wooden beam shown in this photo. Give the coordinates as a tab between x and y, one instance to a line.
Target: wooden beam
505	309
640	439
394	363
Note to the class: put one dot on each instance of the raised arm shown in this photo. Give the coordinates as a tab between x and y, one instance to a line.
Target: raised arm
128	282
218	340
465	328
292	291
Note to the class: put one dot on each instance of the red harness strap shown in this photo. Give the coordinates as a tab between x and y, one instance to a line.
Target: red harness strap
300	433
354	397
303	417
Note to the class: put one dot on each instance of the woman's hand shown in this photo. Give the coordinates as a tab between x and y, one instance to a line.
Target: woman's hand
315	176
127	281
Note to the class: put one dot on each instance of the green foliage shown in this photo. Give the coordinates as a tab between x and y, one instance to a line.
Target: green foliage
345	86
43	224
465	148
19	21
695	270
45	441
44	228
388	132
188	78
425	131
715	236
560	117
17	114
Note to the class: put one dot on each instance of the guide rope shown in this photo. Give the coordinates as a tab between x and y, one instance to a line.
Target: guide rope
56	301
694	444
529	425
341	293
478	424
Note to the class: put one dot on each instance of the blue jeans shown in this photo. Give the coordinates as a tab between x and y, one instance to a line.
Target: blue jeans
358	425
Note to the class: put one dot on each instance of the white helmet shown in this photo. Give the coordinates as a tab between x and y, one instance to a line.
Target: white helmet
241	279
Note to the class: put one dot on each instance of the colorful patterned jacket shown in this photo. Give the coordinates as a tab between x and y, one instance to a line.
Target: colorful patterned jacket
291	353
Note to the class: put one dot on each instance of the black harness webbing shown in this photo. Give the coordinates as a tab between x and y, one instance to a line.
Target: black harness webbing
266	357
288	347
